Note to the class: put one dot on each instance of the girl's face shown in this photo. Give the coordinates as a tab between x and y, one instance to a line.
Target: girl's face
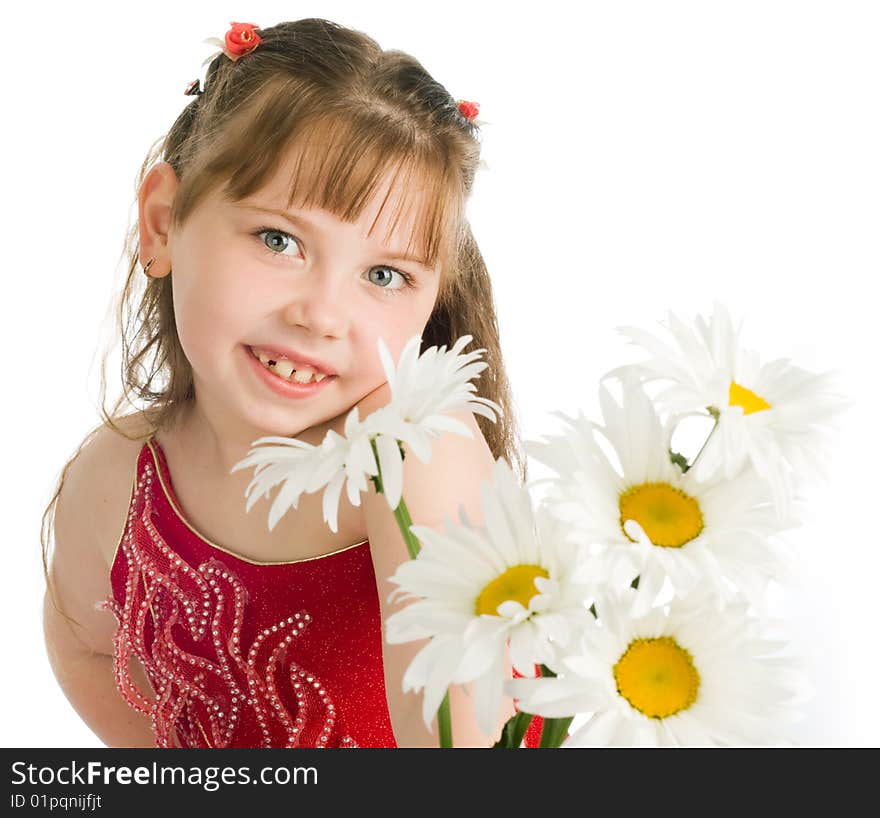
244	276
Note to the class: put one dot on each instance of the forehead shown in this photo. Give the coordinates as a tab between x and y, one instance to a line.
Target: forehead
389	209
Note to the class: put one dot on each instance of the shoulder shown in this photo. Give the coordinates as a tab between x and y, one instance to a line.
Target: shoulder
97	487
457	467
90	511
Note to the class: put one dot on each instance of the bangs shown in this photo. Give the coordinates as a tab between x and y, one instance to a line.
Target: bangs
343	159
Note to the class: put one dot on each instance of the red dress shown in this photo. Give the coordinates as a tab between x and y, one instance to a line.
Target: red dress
242	653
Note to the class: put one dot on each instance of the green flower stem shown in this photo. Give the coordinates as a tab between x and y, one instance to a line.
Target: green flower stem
513	732
554	731
404	521
444	722
715	414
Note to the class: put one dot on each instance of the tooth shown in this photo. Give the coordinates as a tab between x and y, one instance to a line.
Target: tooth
303	375
264	358
319	376
284	368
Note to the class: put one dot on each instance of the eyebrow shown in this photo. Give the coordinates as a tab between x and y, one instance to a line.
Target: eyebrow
299	219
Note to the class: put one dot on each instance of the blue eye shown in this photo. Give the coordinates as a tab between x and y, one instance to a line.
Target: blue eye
278	244
385	283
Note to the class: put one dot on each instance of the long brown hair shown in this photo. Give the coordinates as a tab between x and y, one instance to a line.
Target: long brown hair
355	113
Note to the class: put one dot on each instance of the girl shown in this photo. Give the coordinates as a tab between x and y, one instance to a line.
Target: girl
310	199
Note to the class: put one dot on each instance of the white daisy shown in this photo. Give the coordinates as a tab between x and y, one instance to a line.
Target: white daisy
478	588
423	389
339	461
652	520
775	415
679	675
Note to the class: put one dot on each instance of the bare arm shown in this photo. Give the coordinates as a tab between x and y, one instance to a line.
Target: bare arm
452	478
86	677
80	655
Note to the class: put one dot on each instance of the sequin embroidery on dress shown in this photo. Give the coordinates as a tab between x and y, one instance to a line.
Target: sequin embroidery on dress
184	624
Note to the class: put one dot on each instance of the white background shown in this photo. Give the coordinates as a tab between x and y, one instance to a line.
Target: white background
641	157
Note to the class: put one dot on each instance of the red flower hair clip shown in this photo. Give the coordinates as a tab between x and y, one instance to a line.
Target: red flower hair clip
468	109
241	39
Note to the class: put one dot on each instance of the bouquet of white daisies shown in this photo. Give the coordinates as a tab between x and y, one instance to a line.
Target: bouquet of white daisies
636	587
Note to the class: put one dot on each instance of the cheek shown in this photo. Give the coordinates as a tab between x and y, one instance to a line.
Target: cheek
396	328
211	306
365	349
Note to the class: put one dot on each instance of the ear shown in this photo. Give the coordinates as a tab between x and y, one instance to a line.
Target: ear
155	197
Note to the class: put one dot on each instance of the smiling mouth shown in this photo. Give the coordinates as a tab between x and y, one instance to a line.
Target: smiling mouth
284	370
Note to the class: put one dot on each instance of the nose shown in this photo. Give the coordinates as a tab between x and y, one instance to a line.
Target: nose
320	305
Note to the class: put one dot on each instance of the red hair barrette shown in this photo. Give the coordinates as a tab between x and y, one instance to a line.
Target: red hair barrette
468	109
241	39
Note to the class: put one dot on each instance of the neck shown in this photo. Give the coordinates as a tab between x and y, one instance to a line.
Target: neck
216	447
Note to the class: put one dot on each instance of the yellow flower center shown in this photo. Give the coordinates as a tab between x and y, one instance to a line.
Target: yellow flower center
668	516
748	400
516	583
657	677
